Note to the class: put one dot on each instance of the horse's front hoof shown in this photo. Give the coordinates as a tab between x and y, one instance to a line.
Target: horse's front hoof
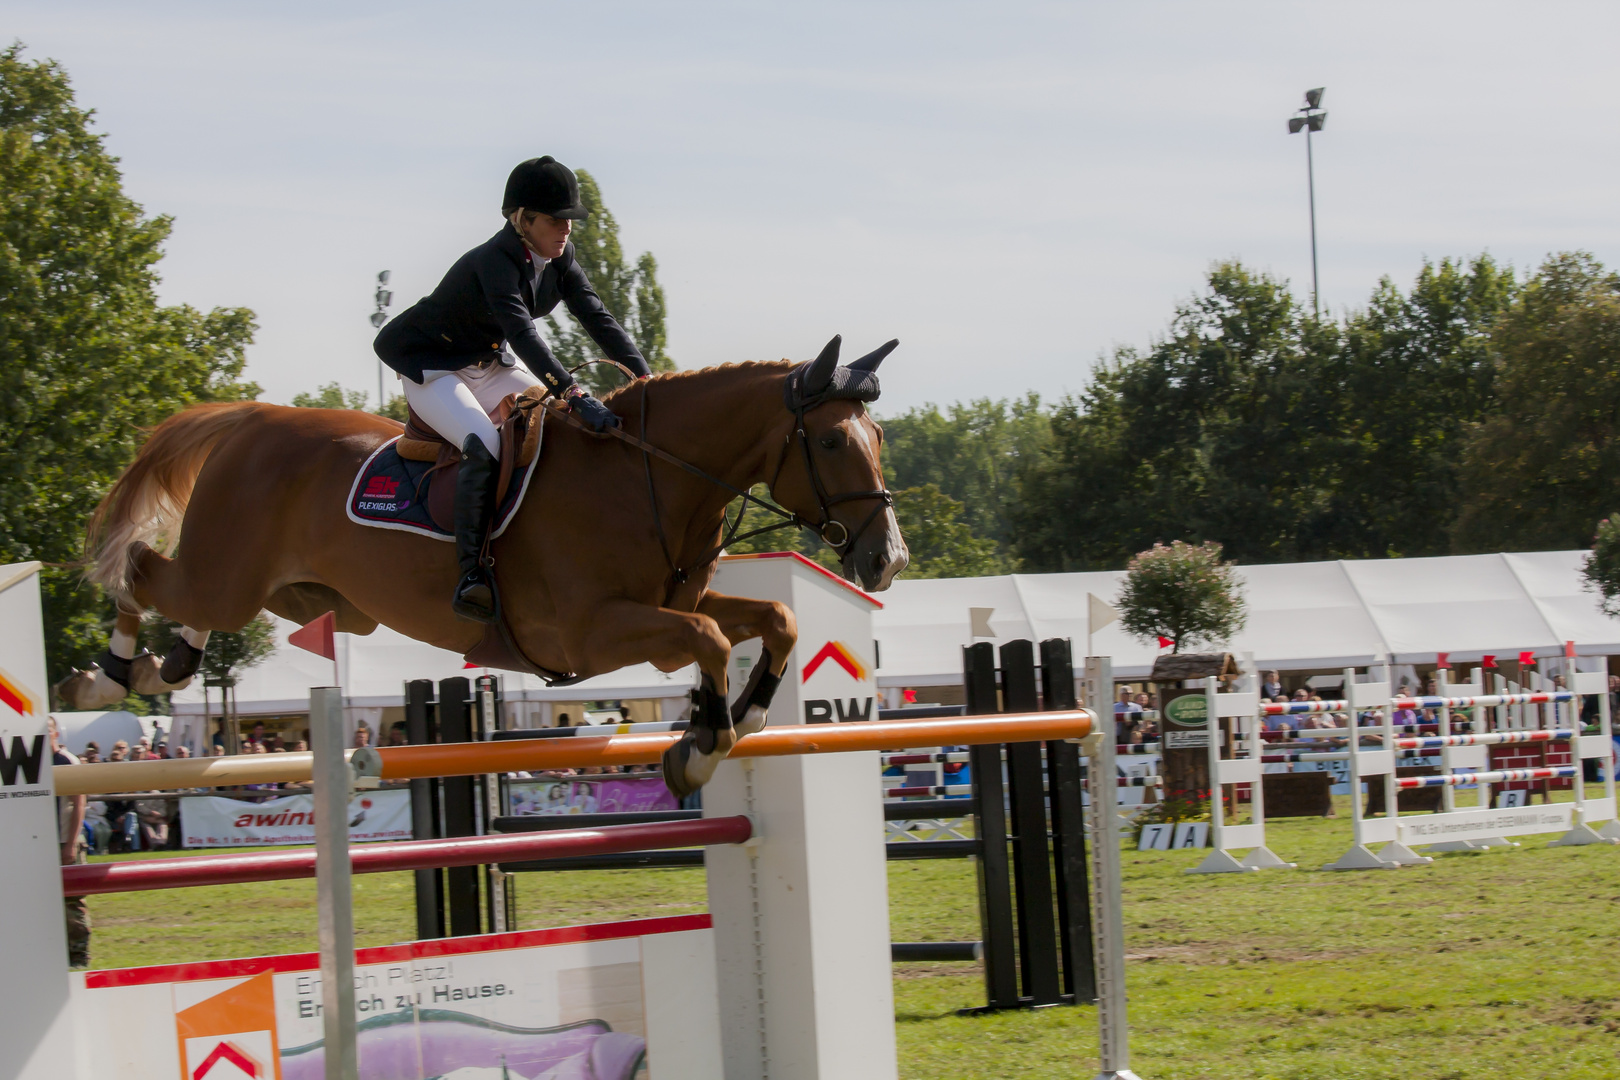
88	690
691	762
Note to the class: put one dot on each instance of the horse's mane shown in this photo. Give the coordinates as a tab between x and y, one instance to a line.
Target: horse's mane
666	378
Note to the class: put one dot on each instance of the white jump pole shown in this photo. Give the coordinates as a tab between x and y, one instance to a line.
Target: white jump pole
333	883
1108	919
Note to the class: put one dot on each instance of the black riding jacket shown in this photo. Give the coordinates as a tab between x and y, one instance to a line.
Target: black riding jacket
491	297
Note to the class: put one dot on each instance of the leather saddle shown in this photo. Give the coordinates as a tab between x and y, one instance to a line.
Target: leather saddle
518	419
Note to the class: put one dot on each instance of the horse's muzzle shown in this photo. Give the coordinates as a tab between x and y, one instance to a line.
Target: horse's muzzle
877	558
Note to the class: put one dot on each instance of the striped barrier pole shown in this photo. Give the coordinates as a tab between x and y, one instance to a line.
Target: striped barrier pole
1486	738
938	790
1498	776
1291	708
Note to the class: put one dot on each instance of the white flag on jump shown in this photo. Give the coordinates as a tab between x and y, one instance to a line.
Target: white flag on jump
1099	613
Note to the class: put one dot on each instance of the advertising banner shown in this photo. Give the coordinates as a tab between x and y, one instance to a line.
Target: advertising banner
611	794
208	821
614	1001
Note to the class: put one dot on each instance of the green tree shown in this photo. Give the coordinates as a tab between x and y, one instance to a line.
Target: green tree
1538	472
1413	377
976	454
1182	592
939	539
331	396
1601	570
88	358
1221	431
630	293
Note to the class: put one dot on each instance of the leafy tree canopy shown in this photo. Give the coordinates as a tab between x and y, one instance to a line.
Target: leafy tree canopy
631	293
976	454
1545	465
1182	592
88	357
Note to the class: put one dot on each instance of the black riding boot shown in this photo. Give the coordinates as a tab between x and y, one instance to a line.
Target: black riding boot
475	506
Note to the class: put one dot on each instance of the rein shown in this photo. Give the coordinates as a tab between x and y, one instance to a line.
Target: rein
729	531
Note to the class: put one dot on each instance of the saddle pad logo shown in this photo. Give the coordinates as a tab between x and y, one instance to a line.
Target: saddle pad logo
381	487
840	654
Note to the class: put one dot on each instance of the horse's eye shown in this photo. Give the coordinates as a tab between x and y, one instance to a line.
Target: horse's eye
829	443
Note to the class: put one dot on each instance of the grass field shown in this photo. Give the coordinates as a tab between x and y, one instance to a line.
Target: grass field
1479	967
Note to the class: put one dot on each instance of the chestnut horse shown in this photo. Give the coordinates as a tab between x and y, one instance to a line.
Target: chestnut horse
232	508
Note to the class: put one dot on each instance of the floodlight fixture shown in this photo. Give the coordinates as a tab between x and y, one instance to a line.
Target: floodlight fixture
383	297
1313	98
1316	121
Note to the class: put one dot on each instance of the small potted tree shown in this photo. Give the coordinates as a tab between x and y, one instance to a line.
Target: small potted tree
1184	596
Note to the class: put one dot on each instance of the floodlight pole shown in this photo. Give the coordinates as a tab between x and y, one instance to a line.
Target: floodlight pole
383	297
1309	120
1310	183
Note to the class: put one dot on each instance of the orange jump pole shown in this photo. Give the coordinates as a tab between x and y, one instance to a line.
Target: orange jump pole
538	755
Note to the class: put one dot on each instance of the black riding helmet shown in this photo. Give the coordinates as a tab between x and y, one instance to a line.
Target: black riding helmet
544	184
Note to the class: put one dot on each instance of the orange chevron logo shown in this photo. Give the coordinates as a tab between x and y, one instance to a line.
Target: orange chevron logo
12	693
840	654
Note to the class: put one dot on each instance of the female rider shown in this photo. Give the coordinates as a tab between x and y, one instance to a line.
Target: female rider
449	348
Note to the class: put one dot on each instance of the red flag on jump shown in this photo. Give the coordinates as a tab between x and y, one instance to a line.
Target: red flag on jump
1442	660
1487	661
1527	658
1164	642
1569	649
316	637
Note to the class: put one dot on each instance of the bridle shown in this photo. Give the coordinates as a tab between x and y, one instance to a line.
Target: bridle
826	528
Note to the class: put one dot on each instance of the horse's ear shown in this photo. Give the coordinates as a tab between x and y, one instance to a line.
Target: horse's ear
871	360
821	369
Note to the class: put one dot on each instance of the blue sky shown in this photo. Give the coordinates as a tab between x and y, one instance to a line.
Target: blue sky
1010	189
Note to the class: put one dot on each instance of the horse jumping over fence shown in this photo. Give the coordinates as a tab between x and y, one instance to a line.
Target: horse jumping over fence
232	508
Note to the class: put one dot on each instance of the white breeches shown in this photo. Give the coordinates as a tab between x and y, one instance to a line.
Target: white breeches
457	404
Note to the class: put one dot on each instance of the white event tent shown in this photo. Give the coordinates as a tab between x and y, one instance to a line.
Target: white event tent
1301	616
373	669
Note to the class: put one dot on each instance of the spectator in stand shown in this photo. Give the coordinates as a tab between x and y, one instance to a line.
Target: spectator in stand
70	839
92	753
1123	710
152	817
120	751
1144	701
163	750
217	750
396	734
1272	687
362	737
182	751
301	747
257	737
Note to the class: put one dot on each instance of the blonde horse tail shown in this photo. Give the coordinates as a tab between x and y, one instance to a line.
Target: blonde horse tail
148	501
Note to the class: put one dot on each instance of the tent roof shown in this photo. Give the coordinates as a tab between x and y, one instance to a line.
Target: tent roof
373	669
1301	616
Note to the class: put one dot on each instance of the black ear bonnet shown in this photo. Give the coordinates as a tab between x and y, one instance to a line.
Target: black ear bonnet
822	379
